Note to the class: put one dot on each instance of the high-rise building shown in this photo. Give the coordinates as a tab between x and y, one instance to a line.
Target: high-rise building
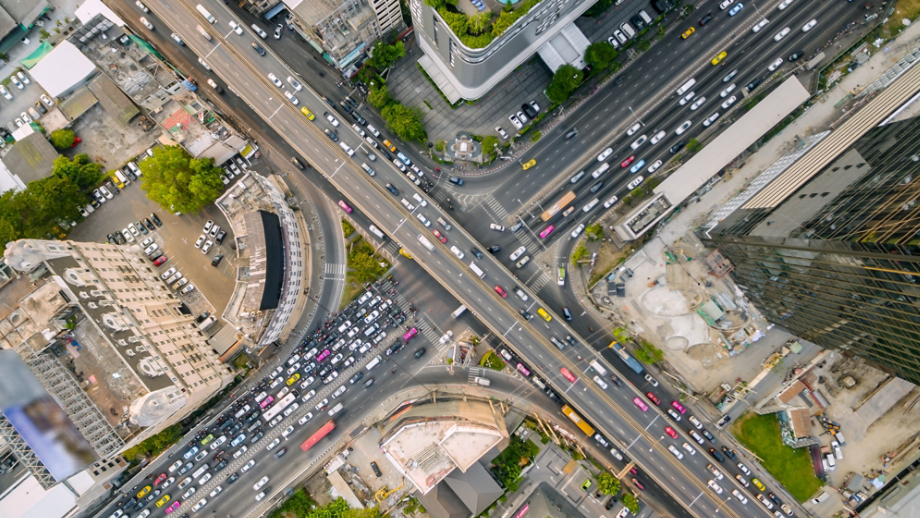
101	331
830	247
467	66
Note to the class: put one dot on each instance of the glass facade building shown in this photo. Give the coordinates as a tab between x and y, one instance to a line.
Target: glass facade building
837	261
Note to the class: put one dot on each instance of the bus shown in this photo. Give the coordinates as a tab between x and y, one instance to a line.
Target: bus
579	422
627	359
424	241
559	205
278	407
318	436
459	311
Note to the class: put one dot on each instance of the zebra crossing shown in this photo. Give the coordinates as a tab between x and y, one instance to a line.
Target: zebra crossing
475	372
539	279
496	207
526	238
335	271
392	247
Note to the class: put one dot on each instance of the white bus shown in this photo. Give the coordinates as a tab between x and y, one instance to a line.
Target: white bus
459	311
278	407
478	271
424	241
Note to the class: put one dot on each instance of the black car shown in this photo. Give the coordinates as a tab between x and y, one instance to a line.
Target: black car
330	103
129	174
110	238
393	349
261	51
677	147
494	249
728	452
704	20
477	253
361	120
156	220
386	154
616	380
392	189
220	237
149	224
94	203
140	226
280	453
526	315
351	101
376	469
202	317
529	111
222	465
773	497
753	84
596	187
708	435
420	352
217	259
796	55
296	163
567	314
331	134
131	502
610	503
348	108
233	478
357	377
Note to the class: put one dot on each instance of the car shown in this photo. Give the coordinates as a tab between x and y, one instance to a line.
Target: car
40	107
498	228
674	415
697	103
501	132
604	154
8	96
687	33
518	253
515	121
658	136
635	183
637	167
522	117
143	492
781	34
715	487
728	102
613	199
760	25
625	163
766	503
728	89
744	469
735	10
653	398
775	64
159	479
683	127
291	98
633	129
248	466
217	259
670	431
530	163
810	25
258	485
784	4
578	230
719	57
172	507
687	98
704	20
201	503
715	471
652	168
759	484
529	111
437	233
143	21
796	55
723	5
332	120
275	81
501	291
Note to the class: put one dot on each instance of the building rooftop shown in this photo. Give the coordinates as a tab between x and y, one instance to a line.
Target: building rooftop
63	69
31	157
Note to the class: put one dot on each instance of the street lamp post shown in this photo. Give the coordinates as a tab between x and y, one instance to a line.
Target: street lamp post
634	115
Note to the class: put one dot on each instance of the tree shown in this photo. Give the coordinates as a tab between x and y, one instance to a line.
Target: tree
480	24
80	171
600	54
631	502
405	122
648	353
580	253
367	267
458	22
643	45
694	145
620	334
379	97
178	182
565	81
385	55
62	138
594	232
608	484
490	145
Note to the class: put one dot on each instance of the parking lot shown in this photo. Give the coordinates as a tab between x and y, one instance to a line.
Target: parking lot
22	100
176	238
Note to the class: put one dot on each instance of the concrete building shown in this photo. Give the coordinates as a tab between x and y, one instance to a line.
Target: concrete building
107	338
30	158
467	66
341	30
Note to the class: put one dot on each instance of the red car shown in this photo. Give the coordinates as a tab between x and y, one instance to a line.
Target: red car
159	479
638	484
628	161
653	398
670	431
500	291
438	235
160	260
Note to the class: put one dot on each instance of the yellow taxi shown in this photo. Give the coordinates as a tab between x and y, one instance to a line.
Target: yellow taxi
402	252
718	59
143	492
687	33
543	314
161	502
530	163
307	113
389	145
759	484
293	379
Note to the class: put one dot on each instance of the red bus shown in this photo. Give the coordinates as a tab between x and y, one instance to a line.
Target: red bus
318	436
568	375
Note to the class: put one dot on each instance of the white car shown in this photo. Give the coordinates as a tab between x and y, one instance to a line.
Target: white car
291	98
658	136
741	498
715	487
810	25
518	253
760	25
725	3
683	127
697	103
321	404
22	77
216	491
248	466
709	120
609	203
514	120
633	129
236	27
727	90
274	443
6	93
654	167
744	468
728	102
521	117
296	84
258	485
604	154
499	130
237	454
687	98
200	241
332	120
201	503
421	217
715	472
638	142
305	418
141	6
499	228
635	183
776	64
207	246
275	81
781	34
177	38
578	230
146	23
695	422
784	4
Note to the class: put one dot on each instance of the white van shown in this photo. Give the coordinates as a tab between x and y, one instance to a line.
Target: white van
258	30
204	12
335	410
831	462
600	170
684	88
347	149
627	29
376	231
587	208
373	131
477	270
645	17
373	363
598	368
121	176
201	471
203	32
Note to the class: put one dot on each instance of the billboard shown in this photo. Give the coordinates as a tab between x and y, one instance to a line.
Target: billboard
41	421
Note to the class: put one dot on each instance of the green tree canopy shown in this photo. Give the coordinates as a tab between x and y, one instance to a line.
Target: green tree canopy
178	182
379	97
648	353
565	81
62	138
405	122
608	484
385	55
643	45
480	24
694	145
594	232
600	54
85	174
34	213
631	502
490	145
